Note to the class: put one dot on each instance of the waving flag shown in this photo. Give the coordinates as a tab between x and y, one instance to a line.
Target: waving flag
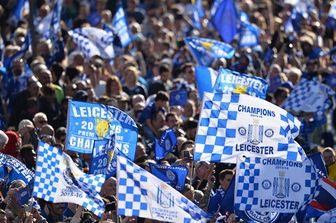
16	14
229	81
93	42
173	175
197	13
120	25
205	79
234	124
205	51
58	180
13	169
88	122
326	197
166	144
225	19
309	96
248	35
139	193
274	184
19	54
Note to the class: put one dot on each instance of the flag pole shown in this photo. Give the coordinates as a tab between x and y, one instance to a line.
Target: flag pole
32	9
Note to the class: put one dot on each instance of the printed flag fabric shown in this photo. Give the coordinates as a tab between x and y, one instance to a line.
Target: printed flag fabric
234	124
59	180
104	160
326	197
139	193
178	97
173	175
229	81
205	51
88	122
13	169
317	160
225	19
93	41
309	96
166	144
120	25
205	78
274	184
248	35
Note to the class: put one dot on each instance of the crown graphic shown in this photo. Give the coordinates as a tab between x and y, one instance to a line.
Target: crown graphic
256	121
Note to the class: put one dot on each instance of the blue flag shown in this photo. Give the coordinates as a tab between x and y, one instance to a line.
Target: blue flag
173	175
24	194
120	25
229	81
248	35
15	169
318	161
16	14
205	79
19	54
205	51
197	13
225	19
103	160
166	144
88	122
178	97
55	21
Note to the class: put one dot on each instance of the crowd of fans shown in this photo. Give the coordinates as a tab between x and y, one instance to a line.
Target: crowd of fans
35	89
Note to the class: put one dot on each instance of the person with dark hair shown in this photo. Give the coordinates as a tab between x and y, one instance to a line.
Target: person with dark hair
224	177
280	95
160	104
28	156
161	82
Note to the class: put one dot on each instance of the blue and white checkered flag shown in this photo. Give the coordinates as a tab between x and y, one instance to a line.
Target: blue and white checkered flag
58	180
309	96
274	184
93	41
234	124
139	193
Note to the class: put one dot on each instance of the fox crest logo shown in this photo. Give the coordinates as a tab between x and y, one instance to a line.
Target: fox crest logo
240	89
207	45
102	127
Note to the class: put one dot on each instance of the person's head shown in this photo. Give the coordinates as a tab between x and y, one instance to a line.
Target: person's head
329	156
137	98
60	135
56	209
13	145
44	76
113	86
202	169
109	187
162	99
280	95
3	140
294	75
189	109
33	87
188	72
28	155
172	120
164	72
17	67
189	192
131	76
190	127
40	119
307	43
3	217
158	120
225	177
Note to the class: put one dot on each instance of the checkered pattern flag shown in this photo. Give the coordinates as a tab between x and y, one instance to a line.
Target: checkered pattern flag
58	180
309	96
234	124
139	193
274	184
